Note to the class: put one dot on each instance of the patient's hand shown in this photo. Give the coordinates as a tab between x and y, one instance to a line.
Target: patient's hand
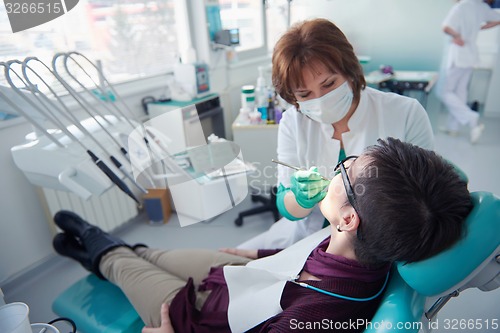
166	326
251	254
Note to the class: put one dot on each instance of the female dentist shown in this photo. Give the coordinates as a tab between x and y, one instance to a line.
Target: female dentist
333	115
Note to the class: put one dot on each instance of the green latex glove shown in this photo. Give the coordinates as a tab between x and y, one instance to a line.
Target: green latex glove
308	186
280	203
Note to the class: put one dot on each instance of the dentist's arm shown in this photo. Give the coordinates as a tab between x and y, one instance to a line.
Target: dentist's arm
457	38
491	24
292	207
306	190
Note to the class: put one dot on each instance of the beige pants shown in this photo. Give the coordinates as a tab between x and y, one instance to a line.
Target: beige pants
152	277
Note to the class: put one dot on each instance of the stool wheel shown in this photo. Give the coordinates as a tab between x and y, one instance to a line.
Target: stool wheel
238	221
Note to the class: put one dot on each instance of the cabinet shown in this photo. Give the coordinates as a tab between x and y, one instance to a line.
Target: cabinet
188	123
258	144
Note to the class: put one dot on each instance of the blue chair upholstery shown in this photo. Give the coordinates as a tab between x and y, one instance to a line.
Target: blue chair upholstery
457	266
471	263
400	305
97	306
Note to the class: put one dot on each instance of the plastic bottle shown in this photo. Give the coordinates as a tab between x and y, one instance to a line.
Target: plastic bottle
271	114
244	116
255	117
248	97
278	110
261	94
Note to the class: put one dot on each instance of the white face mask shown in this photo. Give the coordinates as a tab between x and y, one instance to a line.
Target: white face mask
330	107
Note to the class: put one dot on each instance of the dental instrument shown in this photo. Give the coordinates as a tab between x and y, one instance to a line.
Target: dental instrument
69	115
153	155
49	115
349	298
296	168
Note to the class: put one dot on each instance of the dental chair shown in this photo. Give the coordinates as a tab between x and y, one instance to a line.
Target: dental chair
97	306
474	262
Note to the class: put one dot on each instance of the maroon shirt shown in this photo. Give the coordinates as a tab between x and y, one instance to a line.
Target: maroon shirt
303	309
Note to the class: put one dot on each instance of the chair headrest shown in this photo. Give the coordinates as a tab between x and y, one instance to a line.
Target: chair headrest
455	266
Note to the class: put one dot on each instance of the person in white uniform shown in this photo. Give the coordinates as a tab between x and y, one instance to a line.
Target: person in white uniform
333	115
463	23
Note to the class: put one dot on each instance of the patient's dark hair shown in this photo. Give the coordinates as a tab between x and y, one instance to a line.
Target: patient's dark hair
413	204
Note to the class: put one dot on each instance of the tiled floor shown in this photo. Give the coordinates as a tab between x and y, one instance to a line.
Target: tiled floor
479	161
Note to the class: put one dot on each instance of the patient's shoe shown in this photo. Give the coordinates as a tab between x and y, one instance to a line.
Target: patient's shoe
97	243
449	132
139	245
476	132
71	223
94	241
67	245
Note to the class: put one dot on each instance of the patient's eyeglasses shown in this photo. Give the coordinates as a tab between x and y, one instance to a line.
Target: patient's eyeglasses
348	187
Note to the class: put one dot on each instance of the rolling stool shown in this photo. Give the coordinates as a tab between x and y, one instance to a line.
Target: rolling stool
97	306
269	205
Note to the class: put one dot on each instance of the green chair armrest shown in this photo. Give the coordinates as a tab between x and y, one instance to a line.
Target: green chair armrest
400	310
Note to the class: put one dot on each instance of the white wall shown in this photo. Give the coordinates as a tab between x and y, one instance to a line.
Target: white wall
403	33
24	232
407	35
492	105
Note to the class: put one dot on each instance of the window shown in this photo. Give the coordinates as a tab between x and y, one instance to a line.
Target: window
132	38
248	17
278	20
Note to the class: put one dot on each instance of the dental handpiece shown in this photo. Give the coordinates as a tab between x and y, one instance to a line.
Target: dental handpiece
296	168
